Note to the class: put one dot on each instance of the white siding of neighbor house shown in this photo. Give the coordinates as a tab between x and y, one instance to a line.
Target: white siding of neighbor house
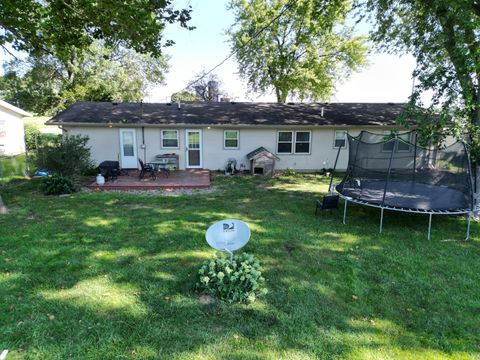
105	145
12	141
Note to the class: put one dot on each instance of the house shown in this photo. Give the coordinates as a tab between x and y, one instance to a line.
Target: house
303	136
12	137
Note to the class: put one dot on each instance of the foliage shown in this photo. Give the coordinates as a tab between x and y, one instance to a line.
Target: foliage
183	96
443	37
237	281
108	275
45	84
12	167
31	135
57	185
66	156
207	88
299	48
62	28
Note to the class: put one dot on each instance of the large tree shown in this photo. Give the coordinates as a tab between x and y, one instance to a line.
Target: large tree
444	37
59	27
45	84
299	48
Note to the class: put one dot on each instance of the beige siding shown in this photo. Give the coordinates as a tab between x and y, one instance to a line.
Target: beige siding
13	140
105	145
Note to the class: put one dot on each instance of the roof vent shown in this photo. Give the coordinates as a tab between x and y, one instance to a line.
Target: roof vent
322	109
169	104
232	102
114	102
290	103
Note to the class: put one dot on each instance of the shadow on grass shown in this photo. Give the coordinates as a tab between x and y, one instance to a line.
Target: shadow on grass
117	273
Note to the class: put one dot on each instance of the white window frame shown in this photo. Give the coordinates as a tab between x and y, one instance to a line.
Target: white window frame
162	138
345	132
292	142
303	142
408	140
225	140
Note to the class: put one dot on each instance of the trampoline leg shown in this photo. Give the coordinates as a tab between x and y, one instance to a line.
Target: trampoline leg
468	226
345	212
429	225
381	221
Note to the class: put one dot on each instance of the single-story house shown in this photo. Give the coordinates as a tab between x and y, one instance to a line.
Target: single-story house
12	133
303	136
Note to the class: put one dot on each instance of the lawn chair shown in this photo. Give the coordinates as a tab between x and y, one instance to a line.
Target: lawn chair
329	202
146	168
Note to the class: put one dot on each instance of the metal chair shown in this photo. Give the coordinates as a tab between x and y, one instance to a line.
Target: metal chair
329	202
146	168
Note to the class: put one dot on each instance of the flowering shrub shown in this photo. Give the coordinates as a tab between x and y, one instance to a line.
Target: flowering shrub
238	281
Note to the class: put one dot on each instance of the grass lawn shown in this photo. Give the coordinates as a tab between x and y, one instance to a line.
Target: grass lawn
12	167
112	276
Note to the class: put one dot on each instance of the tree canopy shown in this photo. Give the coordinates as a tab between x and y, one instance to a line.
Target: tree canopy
444	38
299	48
44	84
58	27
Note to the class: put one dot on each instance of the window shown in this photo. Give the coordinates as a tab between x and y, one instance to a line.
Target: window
302	142
230	139
388	145
340	139
170	139
401	146
297	142
285	140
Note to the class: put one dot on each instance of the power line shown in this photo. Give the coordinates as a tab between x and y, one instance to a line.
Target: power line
285	8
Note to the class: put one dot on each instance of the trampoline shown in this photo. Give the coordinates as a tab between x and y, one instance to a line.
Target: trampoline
392	172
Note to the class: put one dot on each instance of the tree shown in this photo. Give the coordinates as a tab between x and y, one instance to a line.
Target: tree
444	38
299	48
60	28
44	84
183	96
207	88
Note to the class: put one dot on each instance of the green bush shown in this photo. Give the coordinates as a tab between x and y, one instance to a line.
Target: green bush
238	281
32	133
66	156
57	185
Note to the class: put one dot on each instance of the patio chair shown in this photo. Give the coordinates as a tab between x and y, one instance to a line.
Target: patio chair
329	202
146	168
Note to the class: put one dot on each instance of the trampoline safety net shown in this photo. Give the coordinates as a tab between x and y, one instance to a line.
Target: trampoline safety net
391	172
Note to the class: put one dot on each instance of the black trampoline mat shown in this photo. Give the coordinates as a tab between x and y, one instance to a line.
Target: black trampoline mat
407	195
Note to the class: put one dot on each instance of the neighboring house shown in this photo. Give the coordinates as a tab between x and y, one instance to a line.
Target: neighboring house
303	136
12	137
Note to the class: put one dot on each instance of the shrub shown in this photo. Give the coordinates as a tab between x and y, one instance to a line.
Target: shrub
66	156
57	185
32	133
238	281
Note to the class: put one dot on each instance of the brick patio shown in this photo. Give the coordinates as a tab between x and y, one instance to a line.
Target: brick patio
181	179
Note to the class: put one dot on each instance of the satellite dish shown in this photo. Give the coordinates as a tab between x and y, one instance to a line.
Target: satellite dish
228	235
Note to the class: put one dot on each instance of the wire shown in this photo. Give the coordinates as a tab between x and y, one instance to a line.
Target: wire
285	8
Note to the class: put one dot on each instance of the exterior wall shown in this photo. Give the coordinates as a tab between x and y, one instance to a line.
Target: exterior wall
11	126
105	145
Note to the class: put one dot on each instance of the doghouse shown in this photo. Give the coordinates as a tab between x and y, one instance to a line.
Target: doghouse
262	162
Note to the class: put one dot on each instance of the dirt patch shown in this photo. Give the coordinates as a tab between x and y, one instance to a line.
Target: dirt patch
205	299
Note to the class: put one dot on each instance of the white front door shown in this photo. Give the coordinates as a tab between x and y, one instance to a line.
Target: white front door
193	148
128	149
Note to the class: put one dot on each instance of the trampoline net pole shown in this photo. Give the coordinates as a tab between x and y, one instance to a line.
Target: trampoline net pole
389	170
429	225
330	190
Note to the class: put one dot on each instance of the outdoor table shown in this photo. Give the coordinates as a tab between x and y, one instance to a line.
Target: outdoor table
160	166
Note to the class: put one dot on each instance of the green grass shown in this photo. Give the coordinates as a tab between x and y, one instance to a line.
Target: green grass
112	276
12	167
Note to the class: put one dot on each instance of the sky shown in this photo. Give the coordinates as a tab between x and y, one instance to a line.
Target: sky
388	78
